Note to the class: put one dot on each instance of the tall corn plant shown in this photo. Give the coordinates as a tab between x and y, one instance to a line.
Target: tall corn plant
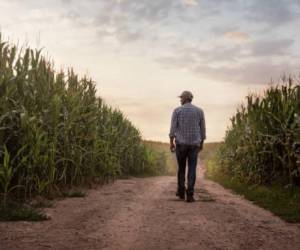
262	144
67	134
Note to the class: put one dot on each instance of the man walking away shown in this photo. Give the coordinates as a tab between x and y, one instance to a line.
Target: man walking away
187	134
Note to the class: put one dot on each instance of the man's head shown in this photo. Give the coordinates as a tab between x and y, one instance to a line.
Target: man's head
185	97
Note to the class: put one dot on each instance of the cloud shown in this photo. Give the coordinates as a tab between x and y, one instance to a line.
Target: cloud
251	63
222	29
184	54
181	61
125	35
189	3
272	12
237	36
152	11
129	21
271	47
252	73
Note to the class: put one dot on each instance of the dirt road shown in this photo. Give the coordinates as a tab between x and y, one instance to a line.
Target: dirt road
143	213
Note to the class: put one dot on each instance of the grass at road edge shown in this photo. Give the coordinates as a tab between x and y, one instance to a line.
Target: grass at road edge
281	201
33	210
17	212
74	194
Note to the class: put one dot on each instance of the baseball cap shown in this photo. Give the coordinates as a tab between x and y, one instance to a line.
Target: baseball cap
186	94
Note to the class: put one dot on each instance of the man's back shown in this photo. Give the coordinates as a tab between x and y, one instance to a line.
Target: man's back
188	129
188	125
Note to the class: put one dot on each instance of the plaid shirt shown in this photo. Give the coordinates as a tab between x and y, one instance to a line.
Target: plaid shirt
188	125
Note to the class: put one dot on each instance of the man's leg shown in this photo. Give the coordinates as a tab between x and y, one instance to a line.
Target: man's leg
192	165
181	155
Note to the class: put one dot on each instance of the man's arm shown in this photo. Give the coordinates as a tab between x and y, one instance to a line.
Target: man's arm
202	129
172	144
172	131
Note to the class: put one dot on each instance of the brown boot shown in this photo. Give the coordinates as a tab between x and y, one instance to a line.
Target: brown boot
190	198
181	195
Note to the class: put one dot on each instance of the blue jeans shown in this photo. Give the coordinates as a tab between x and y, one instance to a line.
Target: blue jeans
186	153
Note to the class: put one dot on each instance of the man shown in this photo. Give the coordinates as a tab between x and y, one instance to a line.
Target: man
187	134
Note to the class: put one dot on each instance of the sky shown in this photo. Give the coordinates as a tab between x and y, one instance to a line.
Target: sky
143	53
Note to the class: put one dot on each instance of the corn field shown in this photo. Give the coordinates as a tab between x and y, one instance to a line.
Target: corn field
55	131
262	145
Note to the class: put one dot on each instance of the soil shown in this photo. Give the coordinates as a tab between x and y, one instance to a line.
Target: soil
144	213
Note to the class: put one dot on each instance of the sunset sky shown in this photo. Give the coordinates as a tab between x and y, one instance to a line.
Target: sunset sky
143	53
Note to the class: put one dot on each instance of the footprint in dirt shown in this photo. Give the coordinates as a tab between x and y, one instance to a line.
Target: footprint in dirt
203	195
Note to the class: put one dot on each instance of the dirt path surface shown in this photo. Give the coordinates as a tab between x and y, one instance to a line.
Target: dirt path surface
143	213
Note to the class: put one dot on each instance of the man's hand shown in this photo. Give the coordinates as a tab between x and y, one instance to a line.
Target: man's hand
172	145
201	146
